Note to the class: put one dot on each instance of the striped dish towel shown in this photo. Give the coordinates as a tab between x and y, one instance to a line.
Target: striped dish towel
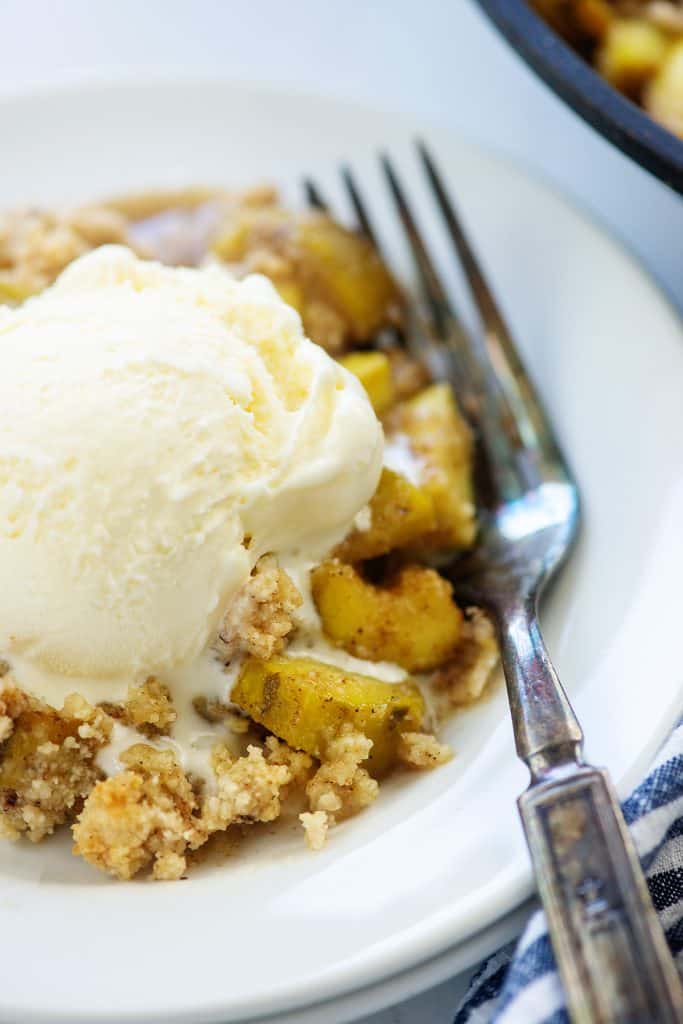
520	984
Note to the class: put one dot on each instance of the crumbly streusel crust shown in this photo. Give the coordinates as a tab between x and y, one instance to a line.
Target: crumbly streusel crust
36	245
463	680
144	815
48	760
423	750
260	616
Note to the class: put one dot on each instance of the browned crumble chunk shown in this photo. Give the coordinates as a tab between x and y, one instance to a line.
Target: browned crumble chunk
47	763
340	787
247	789
423	750
144	815
149	708
463	679
260	616
149	813
315	825
300	765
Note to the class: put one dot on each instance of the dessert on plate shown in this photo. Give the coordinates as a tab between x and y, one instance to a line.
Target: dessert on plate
637	45
222	508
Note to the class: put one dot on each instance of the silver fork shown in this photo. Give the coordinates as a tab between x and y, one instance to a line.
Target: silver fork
608	943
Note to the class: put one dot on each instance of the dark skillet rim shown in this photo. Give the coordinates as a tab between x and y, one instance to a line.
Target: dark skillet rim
614	116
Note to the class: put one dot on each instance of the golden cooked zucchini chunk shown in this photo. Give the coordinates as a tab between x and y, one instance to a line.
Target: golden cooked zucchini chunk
441	439
307	703
333	277
664	95
350	273
400	515
411	619
631	53
373	370
577	20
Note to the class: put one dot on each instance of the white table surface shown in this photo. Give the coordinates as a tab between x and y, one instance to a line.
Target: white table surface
436	58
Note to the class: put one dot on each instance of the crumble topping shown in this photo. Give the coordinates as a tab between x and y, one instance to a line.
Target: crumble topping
340	786
48	761
299	764
315	825
36	245
143	815
423	750
149	708
463	679
247	789
260	616
150	813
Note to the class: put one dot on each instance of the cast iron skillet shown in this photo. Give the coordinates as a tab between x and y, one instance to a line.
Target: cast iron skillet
619	120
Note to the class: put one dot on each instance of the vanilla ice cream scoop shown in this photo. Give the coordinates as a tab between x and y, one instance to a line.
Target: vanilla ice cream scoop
160	430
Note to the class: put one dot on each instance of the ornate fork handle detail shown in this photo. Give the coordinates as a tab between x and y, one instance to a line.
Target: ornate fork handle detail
609	946
608	943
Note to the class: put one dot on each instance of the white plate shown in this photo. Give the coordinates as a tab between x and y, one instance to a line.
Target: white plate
440	856
454	965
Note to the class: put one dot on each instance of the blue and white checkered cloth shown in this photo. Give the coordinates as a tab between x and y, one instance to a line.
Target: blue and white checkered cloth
520	984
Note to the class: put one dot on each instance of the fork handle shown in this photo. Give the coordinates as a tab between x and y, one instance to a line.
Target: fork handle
610	949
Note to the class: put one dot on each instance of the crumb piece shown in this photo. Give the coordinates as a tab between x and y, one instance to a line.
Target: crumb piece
340	787
143	815
299	764
48	762
168	867
465	676
315	828
149	708
423	750
247	789
260	617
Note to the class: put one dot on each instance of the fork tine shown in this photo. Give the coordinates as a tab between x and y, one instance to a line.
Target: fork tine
314	197
445	324
435	294
479	395
388	337
505	361
469	370
359	207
